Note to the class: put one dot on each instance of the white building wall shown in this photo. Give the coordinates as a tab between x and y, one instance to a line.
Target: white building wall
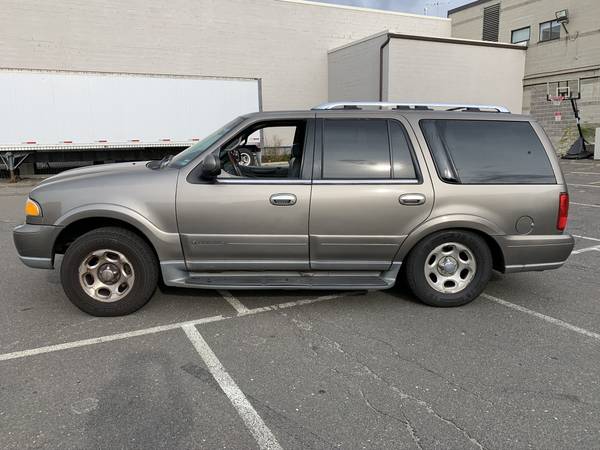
428	71
354	70
282	42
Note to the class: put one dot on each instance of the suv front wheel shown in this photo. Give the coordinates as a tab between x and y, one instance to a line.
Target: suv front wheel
449	268
109	271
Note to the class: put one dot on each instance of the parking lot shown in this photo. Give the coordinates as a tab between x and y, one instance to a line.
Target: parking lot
517	368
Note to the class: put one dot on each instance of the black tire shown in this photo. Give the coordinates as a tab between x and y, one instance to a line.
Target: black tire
133	247
415	268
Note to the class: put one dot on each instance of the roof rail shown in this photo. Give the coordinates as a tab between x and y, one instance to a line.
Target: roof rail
415	106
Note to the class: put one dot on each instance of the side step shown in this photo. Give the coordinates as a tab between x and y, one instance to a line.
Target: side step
286	282
175	274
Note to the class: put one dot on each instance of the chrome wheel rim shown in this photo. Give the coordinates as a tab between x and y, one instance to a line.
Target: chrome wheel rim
245	159
450	267
106	275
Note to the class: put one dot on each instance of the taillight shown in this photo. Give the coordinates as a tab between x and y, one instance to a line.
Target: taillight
563	211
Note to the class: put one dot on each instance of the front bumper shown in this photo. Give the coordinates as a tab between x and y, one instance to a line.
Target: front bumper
535	252
34	244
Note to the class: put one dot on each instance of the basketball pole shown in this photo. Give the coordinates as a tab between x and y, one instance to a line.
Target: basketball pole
578	121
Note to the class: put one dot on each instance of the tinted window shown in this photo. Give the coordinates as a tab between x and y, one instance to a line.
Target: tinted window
402	160
489	152
356	149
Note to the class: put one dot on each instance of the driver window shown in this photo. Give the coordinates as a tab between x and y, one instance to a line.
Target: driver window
265	150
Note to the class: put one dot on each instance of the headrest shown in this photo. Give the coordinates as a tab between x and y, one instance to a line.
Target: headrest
296	150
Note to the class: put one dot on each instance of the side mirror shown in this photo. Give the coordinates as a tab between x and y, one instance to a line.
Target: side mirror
210	167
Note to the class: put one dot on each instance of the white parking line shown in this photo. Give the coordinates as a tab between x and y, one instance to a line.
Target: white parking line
257	427
161	328
584	204
548	319
587	173
584	185
586	237
586	249
109	338
234	302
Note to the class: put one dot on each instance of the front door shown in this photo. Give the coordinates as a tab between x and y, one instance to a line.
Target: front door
253	217
368	192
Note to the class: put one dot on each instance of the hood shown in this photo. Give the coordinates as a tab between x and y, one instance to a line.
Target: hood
96	171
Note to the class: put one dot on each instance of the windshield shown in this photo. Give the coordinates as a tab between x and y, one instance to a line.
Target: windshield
190	153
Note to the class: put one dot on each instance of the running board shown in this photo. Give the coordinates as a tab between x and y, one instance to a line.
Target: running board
287	282
174	274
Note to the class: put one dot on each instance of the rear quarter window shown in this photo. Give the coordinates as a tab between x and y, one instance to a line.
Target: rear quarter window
488	151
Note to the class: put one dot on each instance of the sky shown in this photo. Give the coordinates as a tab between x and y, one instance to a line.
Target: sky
429	7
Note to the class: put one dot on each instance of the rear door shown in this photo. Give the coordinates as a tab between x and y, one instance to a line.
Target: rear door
370	189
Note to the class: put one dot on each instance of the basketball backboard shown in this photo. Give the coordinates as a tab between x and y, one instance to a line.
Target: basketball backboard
564	89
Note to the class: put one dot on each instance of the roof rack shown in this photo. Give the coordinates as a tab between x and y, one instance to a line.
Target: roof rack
414	106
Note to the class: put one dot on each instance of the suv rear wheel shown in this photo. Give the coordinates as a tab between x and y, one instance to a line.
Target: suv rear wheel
109	272
449	268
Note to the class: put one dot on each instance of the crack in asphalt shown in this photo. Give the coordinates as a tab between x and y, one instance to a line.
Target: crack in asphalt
404	420
396	353
308	328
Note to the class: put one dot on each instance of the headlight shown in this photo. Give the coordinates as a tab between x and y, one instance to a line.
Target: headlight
32	209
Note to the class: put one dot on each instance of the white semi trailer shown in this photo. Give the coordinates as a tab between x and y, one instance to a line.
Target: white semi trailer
45	114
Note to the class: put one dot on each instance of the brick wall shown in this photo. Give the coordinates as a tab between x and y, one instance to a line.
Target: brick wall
563	133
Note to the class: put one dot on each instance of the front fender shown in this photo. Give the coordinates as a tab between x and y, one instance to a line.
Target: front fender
446	222
166	244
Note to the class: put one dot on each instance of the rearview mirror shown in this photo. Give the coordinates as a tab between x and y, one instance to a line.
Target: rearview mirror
210	167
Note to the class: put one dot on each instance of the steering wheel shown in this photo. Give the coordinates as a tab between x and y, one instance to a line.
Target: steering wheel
234	162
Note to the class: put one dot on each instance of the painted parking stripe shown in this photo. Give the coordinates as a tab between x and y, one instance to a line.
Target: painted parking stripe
109	338
586	237
544	317
234	302
161	328
584	204
587	173
584	185
586	249
257	427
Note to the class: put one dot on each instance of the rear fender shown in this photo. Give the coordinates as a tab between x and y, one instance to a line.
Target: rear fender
450	221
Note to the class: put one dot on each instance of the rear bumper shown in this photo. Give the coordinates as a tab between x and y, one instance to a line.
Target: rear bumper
34	244
528	253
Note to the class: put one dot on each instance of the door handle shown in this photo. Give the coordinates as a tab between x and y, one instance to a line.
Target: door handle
283	199
412	199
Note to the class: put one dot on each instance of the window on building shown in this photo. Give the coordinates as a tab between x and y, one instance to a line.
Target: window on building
549	30
366	149
491	23
520	35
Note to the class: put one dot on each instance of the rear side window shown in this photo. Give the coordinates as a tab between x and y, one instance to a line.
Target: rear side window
366	149
487	152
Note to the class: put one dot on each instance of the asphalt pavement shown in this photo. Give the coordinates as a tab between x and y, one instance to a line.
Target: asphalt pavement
517	368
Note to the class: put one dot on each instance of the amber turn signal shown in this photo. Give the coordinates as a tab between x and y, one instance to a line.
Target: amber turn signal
32	209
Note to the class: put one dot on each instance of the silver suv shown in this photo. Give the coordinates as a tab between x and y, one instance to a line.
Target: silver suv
358	197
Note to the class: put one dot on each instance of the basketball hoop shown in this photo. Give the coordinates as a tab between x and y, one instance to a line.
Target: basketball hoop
557	99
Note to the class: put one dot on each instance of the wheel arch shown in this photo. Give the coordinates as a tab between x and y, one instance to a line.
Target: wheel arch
478	225
165	245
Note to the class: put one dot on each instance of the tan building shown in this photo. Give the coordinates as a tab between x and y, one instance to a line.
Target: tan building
399	67
556	51
283	43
